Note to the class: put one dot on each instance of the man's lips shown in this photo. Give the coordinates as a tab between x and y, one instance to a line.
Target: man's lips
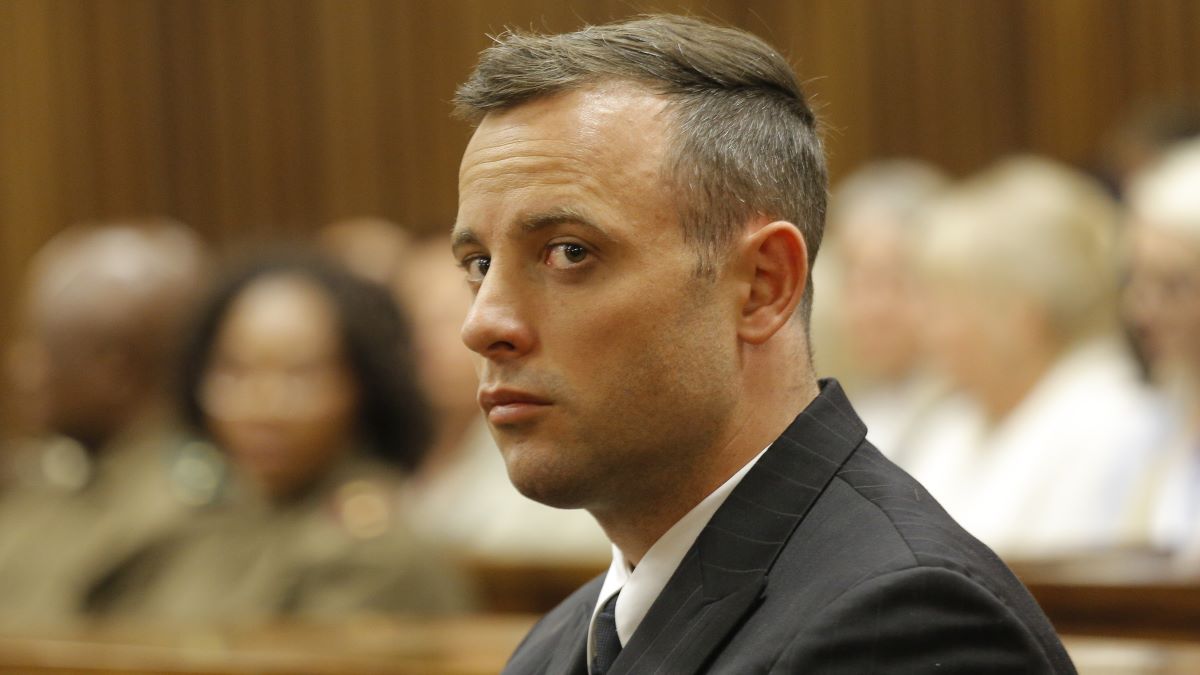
510	406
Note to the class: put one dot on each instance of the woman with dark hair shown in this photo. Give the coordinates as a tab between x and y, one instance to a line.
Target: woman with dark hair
293	357
302	375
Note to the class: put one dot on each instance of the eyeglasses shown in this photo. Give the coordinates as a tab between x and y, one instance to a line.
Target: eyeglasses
1162	287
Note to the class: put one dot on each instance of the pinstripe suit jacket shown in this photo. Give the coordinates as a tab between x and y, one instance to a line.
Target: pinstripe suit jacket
826	558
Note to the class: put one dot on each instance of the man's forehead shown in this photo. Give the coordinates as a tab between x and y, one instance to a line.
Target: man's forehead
546	178
599	141
596	117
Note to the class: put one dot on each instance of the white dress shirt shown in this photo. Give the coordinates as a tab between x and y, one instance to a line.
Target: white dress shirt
639	587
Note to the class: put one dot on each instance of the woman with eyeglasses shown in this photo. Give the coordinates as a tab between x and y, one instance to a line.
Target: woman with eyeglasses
1162	309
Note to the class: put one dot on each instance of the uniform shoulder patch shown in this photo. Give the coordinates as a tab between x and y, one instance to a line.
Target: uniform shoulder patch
363	508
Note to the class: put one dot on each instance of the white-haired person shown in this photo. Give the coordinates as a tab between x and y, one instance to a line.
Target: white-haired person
1020	279
1162	307
870	330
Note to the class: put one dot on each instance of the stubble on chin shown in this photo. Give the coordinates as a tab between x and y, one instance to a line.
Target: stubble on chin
544	475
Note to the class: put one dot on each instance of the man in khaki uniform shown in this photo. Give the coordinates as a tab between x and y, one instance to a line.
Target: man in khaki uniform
104	304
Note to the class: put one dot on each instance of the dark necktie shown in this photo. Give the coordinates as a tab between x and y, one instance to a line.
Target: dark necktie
607	645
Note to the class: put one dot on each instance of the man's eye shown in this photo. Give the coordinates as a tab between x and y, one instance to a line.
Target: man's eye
566	255
477	268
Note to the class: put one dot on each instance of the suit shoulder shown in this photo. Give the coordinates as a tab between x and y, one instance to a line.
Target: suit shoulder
900	529
903	506
911	589
920	619
875	519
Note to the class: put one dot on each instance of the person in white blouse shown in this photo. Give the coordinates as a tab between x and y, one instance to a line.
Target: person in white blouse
1020	283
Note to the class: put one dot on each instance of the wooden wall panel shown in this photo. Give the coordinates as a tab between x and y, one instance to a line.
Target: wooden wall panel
1075	54
30	204
254	117
823	37
905	78
128	167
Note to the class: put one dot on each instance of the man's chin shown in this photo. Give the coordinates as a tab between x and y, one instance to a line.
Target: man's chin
552	496
538	480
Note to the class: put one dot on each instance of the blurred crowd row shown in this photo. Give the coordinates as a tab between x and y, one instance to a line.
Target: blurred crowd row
1028	346
292	432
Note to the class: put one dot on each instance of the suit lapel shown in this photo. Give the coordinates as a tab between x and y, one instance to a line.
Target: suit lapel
724	574
570	654
557	644
684	626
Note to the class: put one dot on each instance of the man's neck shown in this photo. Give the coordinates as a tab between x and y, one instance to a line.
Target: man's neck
635	524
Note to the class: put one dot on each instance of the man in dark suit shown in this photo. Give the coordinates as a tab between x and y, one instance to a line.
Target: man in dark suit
639	208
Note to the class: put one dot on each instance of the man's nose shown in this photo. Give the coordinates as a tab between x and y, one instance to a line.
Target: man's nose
496	327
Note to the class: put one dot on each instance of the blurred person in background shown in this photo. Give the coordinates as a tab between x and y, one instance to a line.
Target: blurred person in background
462	495
1142	136
302	374
1020	281
110	468
1162	307
371	248
870	235
23	400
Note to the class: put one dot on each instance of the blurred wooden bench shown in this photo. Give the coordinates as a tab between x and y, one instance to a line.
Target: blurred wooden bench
462	646
1117	594
1138	620
1112	656
472	645
533	588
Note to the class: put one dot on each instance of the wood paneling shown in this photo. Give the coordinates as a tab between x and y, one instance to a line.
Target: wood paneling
250	117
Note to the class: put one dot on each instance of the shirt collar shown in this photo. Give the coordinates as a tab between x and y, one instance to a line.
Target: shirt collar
639	587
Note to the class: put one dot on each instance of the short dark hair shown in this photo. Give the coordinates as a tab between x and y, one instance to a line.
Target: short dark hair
394	415
744	140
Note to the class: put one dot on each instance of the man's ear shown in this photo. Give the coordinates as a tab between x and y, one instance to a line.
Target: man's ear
775	263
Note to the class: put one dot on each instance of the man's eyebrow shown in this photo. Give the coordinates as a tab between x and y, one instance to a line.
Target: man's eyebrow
462	237
534	223
560	216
